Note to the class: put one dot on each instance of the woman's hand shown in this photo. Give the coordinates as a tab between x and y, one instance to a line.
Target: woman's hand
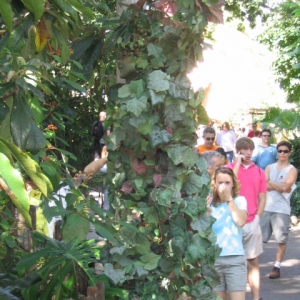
208	203
224	192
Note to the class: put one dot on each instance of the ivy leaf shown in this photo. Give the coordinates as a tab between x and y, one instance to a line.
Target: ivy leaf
115	137
158	81
139	168
201	224
196	250
211	275
165	197
193	184
154	50
182	154
180	88
136	106
136	87
177	226
126	187
157	178
155	97
151	261
157	137
124	91
195	101
116	275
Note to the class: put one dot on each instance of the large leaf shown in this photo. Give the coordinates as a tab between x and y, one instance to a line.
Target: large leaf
136	106
29	165
182	154
158	137
16	192
36	7
158	81
86	11
75	227
25	133
7	14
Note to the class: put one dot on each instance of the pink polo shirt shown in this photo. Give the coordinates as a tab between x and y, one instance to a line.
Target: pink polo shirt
253	182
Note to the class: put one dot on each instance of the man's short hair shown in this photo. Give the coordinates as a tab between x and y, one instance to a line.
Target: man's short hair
266	130
208	155
244	143
209	130
284	143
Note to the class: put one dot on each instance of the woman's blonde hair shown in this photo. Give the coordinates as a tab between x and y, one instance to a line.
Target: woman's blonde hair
236	185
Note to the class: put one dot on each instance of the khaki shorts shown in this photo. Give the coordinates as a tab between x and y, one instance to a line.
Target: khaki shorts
233	273
252	239
276	223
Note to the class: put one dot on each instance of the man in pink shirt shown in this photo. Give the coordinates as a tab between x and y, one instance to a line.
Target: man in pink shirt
253	188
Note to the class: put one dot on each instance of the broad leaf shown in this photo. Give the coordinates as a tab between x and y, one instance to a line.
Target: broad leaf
116	275
136	106
158	137
29	165
7	14
16	192
158	81
24	131
35	7
75	227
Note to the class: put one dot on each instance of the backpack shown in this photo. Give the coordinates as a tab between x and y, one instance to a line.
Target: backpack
97	130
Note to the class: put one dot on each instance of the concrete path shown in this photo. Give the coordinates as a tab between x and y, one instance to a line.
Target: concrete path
287	287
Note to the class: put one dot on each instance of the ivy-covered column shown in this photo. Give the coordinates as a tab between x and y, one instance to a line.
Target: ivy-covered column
166	248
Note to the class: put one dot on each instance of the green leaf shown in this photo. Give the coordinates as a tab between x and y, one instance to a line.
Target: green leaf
201	224
151	261
158	137
105	231
75	85
180	88
14	180
155	97
158	81
182	154
178	226
29	165
86	11
195	101
136	106
115	138
7	14
165	196
36	7
193	184
4	110
124	91
75	227
116	275
197	249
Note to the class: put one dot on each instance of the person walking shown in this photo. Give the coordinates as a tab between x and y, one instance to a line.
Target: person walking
253	188
214	160
99	133
251	132
264	154
226	139
281	177
230	211
209	135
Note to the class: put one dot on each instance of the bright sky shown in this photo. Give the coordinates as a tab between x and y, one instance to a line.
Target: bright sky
239	70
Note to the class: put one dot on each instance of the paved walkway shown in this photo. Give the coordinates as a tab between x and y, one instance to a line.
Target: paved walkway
287	287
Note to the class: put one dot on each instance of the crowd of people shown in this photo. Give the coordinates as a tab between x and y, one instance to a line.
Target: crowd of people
252	184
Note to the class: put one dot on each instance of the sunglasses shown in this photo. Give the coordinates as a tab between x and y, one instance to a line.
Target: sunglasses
210	139
266	135
283	151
